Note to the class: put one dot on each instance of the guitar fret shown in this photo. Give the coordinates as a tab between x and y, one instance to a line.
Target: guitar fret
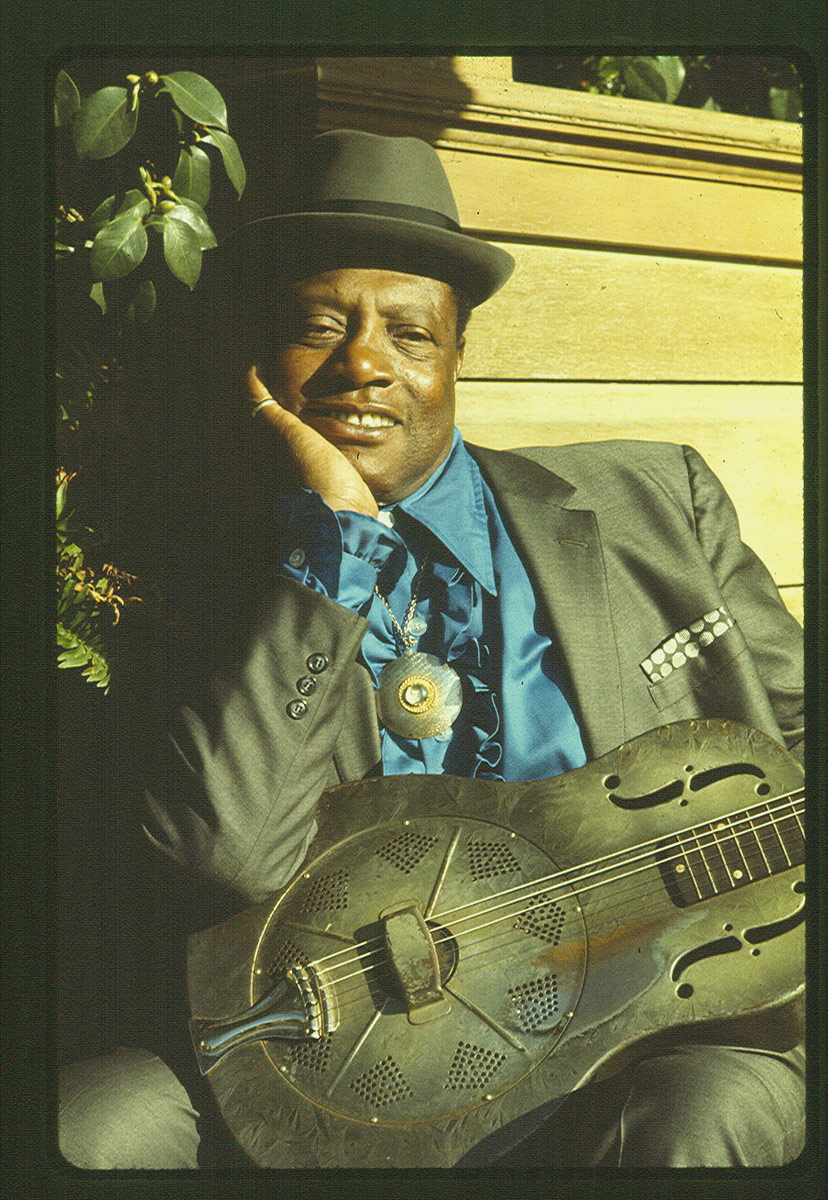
791	834
772	845
685	864
734	854
758	841
751	843
717	864
708	889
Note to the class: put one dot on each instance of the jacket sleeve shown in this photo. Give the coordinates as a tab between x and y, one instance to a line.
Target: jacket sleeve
773	636
232	792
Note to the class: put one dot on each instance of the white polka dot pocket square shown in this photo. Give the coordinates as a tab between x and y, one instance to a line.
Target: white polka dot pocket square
686	644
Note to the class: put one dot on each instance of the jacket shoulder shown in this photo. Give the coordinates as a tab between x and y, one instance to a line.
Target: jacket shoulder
605	471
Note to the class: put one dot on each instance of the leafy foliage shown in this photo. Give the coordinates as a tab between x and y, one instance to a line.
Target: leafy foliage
750	85
112	253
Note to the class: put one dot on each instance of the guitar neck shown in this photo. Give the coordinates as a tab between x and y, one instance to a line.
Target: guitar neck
733	851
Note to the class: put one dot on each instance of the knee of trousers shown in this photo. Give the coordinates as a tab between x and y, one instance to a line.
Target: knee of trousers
125	1110
714	1106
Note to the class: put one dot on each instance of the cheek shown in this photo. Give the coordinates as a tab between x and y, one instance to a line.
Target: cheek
289	373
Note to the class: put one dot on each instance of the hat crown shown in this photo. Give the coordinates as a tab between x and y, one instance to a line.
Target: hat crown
349	166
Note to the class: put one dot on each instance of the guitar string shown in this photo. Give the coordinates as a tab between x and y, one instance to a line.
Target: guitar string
456	934
612	862
628	855
558	880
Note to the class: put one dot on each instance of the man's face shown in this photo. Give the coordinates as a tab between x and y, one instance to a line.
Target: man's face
369	359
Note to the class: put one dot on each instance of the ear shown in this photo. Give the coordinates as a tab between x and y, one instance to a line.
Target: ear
461	350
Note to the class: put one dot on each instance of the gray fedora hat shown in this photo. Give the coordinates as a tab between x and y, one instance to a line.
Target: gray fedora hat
369	200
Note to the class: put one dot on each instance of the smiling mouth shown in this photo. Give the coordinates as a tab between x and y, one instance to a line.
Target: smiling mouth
364	420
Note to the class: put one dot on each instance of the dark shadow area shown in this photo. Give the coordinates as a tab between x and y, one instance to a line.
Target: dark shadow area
175	480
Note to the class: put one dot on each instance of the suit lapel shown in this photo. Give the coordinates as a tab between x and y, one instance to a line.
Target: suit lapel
561	549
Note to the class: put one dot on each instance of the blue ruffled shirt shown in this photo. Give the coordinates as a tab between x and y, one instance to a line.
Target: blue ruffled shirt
476	608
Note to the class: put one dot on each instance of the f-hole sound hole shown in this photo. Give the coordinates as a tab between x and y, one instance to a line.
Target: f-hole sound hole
725	771
662	795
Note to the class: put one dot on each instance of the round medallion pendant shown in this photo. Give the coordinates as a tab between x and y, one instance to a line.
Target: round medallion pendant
418	696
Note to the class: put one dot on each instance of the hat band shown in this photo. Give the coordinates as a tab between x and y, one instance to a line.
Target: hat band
382	208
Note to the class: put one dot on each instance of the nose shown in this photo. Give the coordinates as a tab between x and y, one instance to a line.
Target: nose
361	361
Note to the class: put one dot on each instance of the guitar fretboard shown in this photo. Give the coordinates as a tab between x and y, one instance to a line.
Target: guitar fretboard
731	852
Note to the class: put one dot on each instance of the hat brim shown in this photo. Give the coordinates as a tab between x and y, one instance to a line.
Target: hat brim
306	243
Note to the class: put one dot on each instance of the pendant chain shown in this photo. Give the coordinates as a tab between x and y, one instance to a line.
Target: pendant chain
407	640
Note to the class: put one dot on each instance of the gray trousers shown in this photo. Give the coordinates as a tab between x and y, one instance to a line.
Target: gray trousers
693	1106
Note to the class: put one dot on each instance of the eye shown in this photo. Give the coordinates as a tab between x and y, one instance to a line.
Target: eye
412	335
315	331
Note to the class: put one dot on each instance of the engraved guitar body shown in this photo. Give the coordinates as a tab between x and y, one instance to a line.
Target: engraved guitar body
475	949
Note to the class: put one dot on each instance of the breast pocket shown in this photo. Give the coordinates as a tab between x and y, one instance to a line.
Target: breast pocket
703	675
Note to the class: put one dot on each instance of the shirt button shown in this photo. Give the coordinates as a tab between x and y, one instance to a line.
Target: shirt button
318	663
306	686
386	516
417	626
297	557
297	709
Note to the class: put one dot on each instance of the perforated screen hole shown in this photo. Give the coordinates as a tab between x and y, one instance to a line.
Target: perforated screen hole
490	858
312	1056
407	850
382	1085
472	1067
543	919
286	955
535	1003
326	893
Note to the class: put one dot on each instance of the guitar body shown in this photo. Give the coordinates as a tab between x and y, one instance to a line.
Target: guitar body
571	923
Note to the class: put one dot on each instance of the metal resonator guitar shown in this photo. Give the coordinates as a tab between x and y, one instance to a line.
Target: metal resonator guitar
456	952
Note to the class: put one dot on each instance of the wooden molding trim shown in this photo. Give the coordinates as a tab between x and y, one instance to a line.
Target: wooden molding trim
473	101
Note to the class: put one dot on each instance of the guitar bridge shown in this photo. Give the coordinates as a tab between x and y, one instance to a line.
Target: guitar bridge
415	963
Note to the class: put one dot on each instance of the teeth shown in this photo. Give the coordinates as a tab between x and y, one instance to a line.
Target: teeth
365	420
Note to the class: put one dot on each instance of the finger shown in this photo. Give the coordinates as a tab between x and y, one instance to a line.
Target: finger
260	397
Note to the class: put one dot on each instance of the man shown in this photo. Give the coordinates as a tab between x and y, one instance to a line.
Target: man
430	602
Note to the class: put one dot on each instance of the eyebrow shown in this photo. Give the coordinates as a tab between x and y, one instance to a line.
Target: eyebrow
400	309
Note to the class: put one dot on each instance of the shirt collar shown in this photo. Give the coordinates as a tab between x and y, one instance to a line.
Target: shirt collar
451	505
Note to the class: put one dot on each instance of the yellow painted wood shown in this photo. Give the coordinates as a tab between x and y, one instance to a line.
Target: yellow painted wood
594	314
751	436
592	201
794	602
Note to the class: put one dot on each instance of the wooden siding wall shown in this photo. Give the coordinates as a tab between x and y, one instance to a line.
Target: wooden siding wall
658	280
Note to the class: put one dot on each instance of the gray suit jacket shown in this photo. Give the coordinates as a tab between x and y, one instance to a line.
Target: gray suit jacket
625	542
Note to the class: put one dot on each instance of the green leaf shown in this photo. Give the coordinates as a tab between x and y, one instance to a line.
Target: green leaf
84	653
60	497
97	294
233	164
67	99
196	97
653	78
193	214
182	251
142	305
101	216
192	175
133	199
104	123
119	246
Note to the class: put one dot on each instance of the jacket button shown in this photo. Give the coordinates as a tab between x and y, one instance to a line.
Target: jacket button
306	686
297	558
297	709
318	663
